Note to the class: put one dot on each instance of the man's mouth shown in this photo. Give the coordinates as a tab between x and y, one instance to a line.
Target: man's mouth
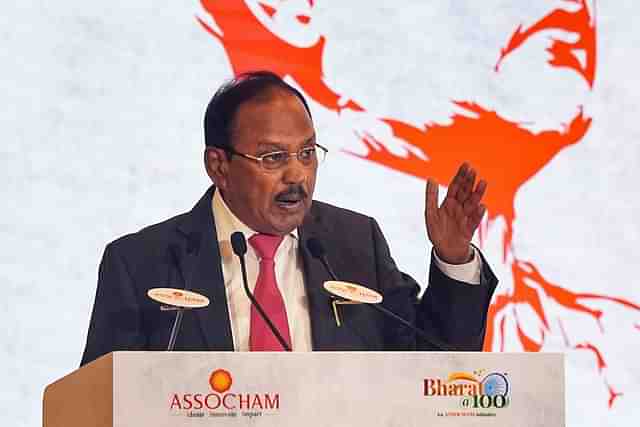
290	200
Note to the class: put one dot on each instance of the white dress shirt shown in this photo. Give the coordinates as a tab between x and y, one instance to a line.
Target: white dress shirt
289	277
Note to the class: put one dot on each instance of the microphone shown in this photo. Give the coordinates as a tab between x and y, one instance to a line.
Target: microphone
239	245
180	312
317	250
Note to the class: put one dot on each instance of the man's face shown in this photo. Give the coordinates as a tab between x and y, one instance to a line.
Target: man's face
268	201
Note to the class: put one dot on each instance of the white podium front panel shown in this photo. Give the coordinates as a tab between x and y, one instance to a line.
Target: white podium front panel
338	389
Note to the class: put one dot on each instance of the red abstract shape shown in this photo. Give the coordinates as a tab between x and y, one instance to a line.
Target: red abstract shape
268	9
529	286
580	22
525	275
503	322
303	19
595	351
613	395
502	152
251	46
527	342
505	153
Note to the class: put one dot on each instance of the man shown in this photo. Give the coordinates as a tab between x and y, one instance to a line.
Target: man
262	157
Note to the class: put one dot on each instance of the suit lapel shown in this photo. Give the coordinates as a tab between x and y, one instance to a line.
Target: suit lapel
323	324
202	271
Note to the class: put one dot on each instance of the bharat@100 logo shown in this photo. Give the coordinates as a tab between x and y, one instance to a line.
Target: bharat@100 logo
475	390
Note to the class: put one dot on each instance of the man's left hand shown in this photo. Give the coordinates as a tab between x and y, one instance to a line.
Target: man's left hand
450	227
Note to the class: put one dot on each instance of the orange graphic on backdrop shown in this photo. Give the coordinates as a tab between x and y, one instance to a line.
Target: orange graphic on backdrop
563	53
249	44
504	152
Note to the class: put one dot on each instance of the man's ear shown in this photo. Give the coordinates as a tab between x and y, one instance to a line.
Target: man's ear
217	165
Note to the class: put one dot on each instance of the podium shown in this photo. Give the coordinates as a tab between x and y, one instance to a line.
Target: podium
190	389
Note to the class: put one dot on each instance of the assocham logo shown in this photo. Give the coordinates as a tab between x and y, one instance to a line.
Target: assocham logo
474	390
220	402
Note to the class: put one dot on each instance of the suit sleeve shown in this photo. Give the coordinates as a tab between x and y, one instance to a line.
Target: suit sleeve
457	311
453	311
115	321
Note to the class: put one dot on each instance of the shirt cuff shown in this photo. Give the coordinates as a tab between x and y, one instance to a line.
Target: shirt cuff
468	273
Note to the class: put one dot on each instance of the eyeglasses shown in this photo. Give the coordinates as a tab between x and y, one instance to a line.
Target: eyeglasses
308	156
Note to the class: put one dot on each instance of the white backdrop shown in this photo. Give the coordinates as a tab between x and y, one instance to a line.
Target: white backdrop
101	124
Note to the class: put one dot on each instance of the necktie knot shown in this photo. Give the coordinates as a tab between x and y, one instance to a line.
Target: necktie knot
265	245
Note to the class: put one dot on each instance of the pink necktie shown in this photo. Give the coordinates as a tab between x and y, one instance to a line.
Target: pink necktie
266	292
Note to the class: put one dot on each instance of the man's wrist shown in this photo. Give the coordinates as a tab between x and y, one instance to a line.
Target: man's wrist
454	259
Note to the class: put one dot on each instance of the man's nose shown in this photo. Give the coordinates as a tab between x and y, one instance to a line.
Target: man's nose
295	172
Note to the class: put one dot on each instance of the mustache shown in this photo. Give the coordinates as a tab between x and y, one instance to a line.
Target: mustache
294	190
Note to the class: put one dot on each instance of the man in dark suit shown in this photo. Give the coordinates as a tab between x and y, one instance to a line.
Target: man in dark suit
262	157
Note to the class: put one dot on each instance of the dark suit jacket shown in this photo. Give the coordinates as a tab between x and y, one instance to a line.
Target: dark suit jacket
124	318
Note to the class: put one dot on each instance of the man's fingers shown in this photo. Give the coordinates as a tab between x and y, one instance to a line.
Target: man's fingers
431	200
472	202
467	186
475	218
457	181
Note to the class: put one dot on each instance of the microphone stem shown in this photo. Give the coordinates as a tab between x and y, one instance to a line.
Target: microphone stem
430	339
422	334
273	328
175	329
178	320
325	262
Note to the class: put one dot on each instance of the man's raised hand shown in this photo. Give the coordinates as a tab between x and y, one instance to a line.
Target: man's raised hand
450	227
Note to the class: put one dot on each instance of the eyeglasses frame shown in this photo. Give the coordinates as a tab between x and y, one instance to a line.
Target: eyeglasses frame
260	159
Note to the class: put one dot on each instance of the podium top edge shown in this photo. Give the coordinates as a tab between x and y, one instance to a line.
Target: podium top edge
334	353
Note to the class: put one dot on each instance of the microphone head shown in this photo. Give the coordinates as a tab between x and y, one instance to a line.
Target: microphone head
239	243
315	247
